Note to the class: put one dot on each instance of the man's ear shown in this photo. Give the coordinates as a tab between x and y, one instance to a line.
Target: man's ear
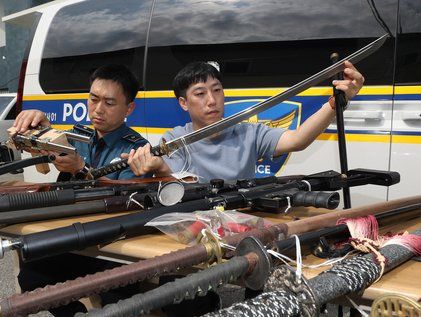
130	108
183	103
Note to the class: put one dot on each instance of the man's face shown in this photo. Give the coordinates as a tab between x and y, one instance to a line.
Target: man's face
204	102
107	106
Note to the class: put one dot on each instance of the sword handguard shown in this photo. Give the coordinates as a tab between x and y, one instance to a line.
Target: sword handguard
160	149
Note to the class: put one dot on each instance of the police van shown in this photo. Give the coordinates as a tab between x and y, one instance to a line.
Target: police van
262	48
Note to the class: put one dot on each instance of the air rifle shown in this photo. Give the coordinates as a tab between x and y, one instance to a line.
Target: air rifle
44	138
62	293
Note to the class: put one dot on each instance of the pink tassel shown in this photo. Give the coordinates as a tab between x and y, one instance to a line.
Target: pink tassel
410	241
362	227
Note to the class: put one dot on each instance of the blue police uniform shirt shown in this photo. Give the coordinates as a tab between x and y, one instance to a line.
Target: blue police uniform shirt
121	140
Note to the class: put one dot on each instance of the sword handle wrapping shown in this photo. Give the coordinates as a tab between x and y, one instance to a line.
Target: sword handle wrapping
158	150
108	169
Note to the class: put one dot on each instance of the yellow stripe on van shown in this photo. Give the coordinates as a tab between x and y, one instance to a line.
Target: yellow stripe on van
409	139
412	139
314	91
404	90
355	137
83	96
137	129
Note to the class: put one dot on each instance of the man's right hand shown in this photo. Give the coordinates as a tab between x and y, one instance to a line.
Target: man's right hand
142	161
29	119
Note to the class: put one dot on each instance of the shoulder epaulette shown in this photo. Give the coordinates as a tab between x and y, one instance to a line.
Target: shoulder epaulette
81	129
133	138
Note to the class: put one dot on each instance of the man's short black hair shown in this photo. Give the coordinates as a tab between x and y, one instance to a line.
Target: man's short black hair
193	73
121	75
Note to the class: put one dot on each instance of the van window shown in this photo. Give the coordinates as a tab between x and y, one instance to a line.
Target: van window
89	34
408	66
4	102
266	43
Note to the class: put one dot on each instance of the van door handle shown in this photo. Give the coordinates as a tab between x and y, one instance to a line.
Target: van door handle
364	115
411	115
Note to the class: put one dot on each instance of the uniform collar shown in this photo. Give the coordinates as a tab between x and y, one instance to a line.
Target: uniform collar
113	137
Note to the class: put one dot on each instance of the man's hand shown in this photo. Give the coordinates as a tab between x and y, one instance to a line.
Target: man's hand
71	163
28	119
142	161
352	82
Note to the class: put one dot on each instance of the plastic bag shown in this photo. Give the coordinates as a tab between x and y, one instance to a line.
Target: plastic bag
187	227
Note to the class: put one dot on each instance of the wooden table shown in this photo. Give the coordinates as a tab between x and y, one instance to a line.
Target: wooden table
404	279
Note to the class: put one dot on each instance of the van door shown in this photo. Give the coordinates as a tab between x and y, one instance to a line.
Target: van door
406	129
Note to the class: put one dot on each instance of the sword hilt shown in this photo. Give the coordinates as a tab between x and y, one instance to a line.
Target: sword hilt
108	169
158	150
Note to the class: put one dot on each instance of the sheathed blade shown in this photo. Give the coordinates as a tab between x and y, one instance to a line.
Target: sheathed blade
326	73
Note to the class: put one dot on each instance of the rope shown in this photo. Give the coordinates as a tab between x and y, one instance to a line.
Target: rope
272	304
358	272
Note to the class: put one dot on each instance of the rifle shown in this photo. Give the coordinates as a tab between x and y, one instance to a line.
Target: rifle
67	202
13	187
62	293
67	196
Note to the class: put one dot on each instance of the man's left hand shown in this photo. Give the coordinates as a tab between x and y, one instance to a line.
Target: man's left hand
352	82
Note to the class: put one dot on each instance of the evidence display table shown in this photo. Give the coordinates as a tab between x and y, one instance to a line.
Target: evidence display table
404	280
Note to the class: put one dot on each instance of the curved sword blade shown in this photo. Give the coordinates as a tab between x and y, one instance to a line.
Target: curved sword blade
216	127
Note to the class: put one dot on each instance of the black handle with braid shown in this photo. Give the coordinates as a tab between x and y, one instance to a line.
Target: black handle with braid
158	150
108	169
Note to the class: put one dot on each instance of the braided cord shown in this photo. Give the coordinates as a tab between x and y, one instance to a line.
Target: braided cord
357	272
272	304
